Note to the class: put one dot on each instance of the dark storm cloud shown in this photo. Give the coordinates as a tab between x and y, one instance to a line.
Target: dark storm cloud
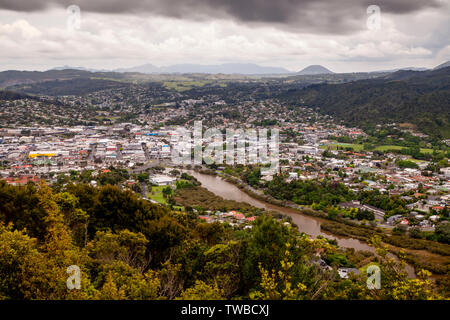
335	16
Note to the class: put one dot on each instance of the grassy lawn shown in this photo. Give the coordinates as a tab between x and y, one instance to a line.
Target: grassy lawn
187	85
359	147
417	160
157	195
183	85
390	147
356	147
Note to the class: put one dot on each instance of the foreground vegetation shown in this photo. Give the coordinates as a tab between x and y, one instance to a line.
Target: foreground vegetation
127	248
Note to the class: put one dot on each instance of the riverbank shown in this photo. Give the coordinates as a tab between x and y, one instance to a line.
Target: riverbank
347	233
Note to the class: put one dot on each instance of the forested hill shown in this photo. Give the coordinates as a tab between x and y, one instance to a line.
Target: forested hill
77	86
13	77
420	98
10	95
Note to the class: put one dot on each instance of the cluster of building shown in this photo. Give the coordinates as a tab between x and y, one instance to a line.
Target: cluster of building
234	218
38	151
425	193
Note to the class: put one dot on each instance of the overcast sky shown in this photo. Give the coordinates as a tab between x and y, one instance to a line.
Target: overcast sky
340	35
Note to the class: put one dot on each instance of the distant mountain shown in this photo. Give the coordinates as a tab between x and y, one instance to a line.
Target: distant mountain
443	65
78	68
418	97
405	68
314	69
227	68
75	86
145	68
60	82
13	77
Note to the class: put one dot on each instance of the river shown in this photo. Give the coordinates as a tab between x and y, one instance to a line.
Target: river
307	224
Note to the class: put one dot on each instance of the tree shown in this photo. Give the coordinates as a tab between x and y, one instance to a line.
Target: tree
365	215
202	291
278	284
18	254
136	187
74	217
252	177
167	192
20	205
442	231
416	233
171	280
332	213
222	266
117	210
126	246
406	164
59	253
143	177
109	291
163	234
211	233
258	250
40	267
121	281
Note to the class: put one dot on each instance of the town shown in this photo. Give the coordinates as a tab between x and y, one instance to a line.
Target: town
312	147
242	152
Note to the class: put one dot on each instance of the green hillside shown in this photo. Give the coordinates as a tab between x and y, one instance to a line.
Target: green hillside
420	98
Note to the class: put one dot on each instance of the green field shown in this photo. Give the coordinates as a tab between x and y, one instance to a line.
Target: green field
187	85
334	146
391	147
183	85
157	195
359	147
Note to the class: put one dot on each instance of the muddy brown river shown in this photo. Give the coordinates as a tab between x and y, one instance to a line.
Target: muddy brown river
307	224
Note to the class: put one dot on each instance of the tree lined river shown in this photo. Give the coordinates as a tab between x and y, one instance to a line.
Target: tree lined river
307	224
